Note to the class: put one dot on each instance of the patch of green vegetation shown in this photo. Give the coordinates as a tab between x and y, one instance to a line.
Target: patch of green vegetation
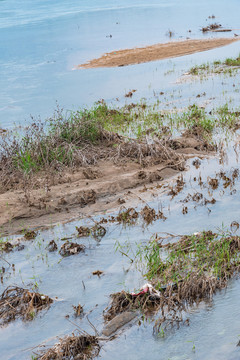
226	67
55	141
227	118
232	61
78	138
198	69
205	255
31	315
217	62
65	138
182	274
195	116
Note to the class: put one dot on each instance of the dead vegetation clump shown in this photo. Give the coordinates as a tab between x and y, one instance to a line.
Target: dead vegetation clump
196	163
199	199
78	310
70	248
91	174
97	272
213	183
149	215
6	246
175	190
83	231
202	135
97	231
52	246
130	93
128	216
185	273
146	153
211	27
30	235
230	179
123	301
78	346
87	197
224	179
16	302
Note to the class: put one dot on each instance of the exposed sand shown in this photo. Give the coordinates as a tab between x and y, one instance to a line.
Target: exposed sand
155	52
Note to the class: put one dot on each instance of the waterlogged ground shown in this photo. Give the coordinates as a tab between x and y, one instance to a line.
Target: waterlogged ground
71	281
44	71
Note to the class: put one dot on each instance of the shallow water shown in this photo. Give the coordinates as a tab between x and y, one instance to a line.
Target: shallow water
209	324
42	42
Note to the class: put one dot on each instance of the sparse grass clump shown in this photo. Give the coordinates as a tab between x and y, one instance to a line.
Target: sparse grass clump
226	67
65	139
198	69
227	118
232	61
195	119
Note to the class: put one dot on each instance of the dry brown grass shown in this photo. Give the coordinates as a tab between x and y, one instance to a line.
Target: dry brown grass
123	301
16	302
79	139
78	346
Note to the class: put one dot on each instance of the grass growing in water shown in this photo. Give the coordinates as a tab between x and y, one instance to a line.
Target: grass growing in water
227	67
185	272
84	137
194	116
232	61
206	255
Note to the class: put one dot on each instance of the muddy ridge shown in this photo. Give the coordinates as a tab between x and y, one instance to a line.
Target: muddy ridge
155	52
72	194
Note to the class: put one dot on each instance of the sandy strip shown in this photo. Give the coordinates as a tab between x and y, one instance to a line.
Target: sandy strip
155	52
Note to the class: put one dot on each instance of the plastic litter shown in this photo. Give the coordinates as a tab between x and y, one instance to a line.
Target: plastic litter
147	288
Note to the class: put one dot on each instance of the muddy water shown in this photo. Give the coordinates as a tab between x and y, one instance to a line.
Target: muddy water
41	41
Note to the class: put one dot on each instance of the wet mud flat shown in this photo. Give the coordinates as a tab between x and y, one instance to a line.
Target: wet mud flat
145	269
